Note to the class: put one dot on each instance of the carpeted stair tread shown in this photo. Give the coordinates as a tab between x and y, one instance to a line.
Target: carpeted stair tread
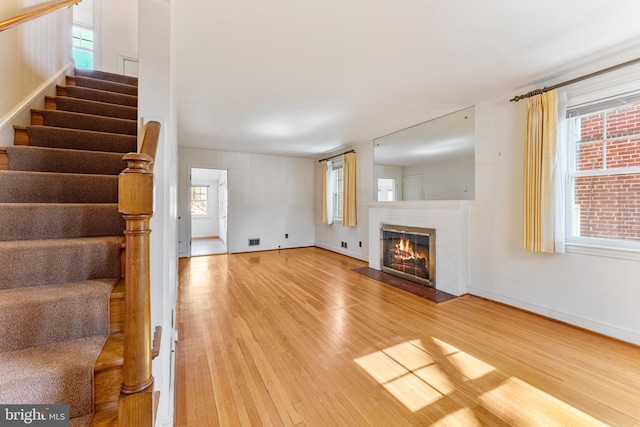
55	373
33	221
66	119
98	95
41	262
103	75
77	105
76	139
52	187
56	313
27	158
106	85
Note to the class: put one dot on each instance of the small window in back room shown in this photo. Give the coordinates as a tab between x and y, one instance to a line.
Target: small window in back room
83	46
199	200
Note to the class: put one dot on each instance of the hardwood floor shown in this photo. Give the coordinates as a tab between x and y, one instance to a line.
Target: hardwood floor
295	338
207	246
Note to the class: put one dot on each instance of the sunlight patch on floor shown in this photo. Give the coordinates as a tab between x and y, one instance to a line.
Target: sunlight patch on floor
419	376
533	407
462	417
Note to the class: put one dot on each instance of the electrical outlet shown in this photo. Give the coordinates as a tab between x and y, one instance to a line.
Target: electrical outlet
360	243
286	236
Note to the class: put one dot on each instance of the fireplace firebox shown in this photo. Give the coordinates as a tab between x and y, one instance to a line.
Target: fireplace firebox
409	252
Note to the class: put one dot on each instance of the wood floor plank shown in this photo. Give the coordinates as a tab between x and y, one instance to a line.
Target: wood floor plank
296	338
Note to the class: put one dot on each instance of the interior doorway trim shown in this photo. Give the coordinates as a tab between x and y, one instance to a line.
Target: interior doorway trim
221	210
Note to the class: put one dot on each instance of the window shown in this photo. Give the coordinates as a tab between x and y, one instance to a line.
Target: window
83	46
338	191
603	203
199	200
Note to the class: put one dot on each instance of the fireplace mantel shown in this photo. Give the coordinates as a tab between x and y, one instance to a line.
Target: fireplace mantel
450	219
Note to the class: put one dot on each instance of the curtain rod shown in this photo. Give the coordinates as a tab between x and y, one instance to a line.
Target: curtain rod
337	155
577	79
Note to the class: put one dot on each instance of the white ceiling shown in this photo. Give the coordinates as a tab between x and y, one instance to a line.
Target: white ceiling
304	78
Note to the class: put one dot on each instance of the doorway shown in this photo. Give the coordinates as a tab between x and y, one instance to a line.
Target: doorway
208	211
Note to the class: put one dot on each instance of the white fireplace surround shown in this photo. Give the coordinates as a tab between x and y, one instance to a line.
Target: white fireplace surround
450	219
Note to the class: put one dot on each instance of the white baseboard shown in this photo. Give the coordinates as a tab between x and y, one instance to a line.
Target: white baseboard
598	327
343	252
20	114
268	248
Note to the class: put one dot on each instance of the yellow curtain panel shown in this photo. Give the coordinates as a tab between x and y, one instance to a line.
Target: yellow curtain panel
540	154
349	209
323	192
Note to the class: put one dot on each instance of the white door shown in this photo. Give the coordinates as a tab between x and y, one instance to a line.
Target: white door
412	187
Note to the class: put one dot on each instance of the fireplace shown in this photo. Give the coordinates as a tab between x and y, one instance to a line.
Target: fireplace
409	252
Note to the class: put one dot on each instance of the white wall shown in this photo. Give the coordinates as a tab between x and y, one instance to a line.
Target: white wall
330	236
593	292
35	56
268	197
449	179
207	226
116	29
156	94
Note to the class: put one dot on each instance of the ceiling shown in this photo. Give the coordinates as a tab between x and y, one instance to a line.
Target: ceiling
303	78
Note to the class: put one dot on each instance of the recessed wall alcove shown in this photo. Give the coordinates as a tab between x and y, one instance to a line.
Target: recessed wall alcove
450	219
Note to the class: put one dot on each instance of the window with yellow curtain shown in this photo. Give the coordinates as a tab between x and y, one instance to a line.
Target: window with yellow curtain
540	156
349	203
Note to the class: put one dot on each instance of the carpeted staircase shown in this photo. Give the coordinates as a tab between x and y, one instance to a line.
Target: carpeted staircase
61	238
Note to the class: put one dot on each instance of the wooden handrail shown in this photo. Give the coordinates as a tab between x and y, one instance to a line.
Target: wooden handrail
20	19
135	203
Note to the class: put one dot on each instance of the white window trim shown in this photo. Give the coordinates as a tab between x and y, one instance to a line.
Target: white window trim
208	214
602	249
608	86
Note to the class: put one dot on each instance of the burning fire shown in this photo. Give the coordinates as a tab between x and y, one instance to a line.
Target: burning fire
404	251
406	256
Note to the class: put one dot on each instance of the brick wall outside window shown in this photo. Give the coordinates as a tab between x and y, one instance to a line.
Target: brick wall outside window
609	205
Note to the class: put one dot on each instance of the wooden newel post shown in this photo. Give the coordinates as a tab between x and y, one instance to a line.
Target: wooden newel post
135	203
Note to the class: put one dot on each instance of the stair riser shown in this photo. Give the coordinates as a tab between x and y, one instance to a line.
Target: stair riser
32	263
34	187
74	139
88	82
97	95
20	136
107	388
56	313
50	374
75	105
4	161
118	78
117	316
64	119
32	221
44	159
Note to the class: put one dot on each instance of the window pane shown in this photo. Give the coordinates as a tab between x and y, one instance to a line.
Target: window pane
589	142
83	58
623	121
199	203
607	206
338	198
624	152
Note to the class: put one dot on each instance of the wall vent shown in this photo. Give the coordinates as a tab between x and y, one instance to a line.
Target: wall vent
254	242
